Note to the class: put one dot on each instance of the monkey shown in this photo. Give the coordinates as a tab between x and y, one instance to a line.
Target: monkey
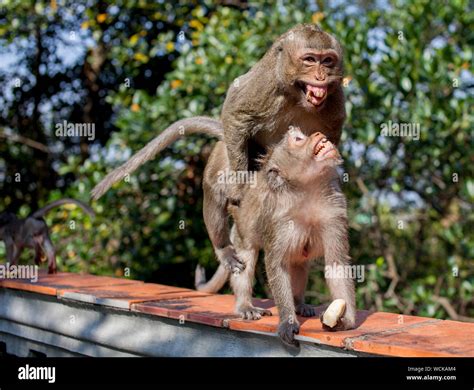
297	82
296	213
32	232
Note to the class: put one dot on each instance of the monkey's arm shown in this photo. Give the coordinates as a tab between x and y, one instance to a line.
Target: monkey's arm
280	284
12	250
237	148
242	116
336	118
50	252
236	141
336	254
42	211
193	125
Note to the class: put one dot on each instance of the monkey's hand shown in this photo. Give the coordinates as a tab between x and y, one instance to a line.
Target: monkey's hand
287	330
229	259
305	310
344	323
250	312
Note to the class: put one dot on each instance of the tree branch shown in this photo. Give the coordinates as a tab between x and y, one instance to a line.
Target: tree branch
450	309
26	141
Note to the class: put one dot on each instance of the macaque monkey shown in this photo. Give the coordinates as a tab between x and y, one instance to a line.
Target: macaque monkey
295	213
32	232
297	82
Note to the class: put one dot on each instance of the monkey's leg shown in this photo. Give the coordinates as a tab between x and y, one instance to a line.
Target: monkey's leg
299	278
280	285
242	285
216	221
12	251
39	255
50	254
336	254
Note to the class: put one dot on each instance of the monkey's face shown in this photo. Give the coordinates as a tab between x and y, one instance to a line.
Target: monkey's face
300	160
317	76
313	65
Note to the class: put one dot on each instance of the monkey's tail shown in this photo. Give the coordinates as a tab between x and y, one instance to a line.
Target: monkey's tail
43	210
215	284
198	124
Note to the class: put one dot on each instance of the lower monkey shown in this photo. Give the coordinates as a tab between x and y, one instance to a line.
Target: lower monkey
295	213
32	232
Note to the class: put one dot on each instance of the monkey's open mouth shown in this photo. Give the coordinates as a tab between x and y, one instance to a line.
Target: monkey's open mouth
324	149
315	95
318	148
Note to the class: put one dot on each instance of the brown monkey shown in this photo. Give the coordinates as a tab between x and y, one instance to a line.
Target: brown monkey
297	82
32	232
295	213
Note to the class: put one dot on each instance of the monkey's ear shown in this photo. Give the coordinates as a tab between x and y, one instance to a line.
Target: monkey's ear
274	178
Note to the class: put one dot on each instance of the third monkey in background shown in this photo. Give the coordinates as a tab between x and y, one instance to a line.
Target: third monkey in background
296	83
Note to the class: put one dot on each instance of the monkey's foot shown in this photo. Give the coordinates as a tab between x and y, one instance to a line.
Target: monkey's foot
250	312
305	310
342	324
228	257
287	330
52	270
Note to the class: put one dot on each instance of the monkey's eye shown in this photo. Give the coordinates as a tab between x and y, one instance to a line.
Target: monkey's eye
309	59
327	61
297	140
295	135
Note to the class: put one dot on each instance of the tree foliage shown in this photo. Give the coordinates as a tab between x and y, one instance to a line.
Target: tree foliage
144	65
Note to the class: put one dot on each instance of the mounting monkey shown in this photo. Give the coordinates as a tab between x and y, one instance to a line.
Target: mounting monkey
32	232
296	83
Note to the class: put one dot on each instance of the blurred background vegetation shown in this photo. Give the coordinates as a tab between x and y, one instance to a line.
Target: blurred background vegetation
133	67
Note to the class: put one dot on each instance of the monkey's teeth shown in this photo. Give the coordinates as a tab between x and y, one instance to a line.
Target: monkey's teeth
319	92
318	149
315	95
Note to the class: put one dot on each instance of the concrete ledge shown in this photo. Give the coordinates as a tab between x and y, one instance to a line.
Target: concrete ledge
85	315
32	323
